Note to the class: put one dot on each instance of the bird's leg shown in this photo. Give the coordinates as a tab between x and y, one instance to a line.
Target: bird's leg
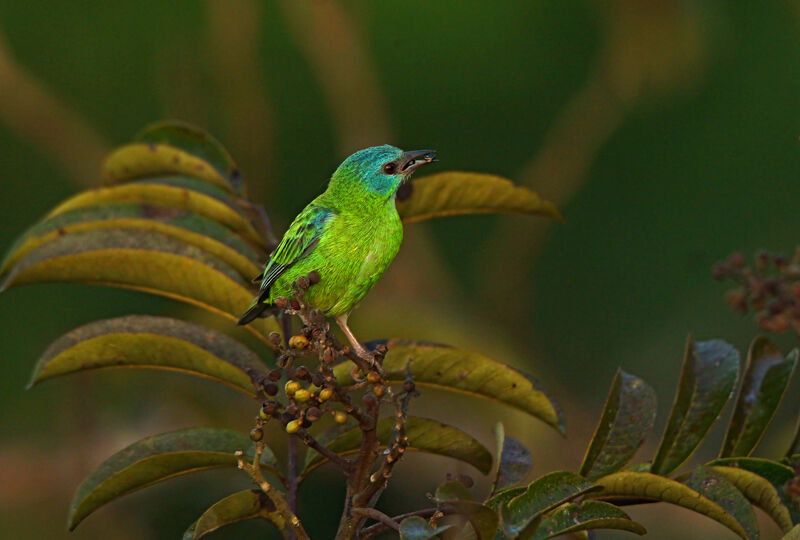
357	347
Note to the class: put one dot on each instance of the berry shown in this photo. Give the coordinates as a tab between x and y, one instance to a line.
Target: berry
325	394
299	342
303	282
271	389
379	390
292	387
313	277
256	434
274	375
281	302
373	377
339	417
293	426
275	339
302	395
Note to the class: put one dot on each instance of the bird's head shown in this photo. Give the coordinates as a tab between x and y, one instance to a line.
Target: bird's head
380	169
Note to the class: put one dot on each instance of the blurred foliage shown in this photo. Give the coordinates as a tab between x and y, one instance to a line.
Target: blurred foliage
664	183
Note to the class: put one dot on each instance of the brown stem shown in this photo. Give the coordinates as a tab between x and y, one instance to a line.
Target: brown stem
378	528
343	463
377	515
291	476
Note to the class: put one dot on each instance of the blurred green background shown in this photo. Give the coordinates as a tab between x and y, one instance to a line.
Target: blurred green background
666	131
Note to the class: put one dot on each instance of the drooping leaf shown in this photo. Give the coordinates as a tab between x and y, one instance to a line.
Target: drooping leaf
709	373
483	519
169	192
760	492
196	142
586	516
157	458
716	487
454	193
194	229
628	417
465	371
513	460
775	473
794	534
424	435
416	528
142	260
521	514
240	506
150	342
138	160
636	485
500	499
766	378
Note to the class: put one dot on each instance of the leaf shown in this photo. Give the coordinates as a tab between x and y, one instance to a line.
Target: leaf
150	342
170	192
455	193
586	516
193	229
483	519
794	534
777	474
513	463
628	416
520	515
138	160
424	435
760	492
766	378
196	142
240	506
416	528
449	368
141	260
709	373
155	459
716	487
627	484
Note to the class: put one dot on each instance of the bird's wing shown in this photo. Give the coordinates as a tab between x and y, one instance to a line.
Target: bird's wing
303	235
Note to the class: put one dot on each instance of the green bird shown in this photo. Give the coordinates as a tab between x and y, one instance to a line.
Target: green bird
349	235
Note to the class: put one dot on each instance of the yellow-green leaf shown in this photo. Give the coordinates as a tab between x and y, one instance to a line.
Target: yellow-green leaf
716	487
138	160
627	484
169	192
194	229
454	193
157	458
794	534
240	506
588	515
766	379
424	435
760	492
142	260
150	342
464	371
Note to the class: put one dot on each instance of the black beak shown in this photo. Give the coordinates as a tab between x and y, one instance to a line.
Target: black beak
415	159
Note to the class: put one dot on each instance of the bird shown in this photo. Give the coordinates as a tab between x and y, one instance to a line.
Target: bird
348	235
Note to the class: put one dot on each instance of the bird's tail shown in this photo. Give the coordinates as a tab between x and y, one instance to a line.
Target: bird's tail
256	310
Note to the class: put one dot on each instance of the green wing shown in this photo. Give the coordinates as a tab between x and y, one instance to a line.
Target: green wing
303	235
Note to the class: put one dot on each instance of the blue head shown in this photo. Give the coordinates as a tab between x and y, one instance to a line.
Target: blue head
379	169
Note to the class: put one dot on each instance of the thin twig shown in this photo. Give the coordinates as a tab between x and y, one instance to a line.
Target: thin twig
378	528
291	476
343	463
377	515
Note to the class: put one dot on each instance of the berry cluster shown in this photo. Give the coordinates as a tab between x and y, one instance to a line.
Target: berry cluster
770	288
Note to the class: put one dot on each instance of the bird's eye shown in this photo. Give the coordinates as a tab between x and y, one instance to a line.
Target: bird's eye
389	168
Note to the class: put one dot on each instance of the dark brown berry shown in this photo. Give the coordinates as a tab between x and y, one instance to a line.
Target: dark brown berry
302	373
313	277
271	389
281	302
736	259
303	282
780	260
313	414
369	400
274	375
466	480
275	339
295	305
305	423
719	271
317	379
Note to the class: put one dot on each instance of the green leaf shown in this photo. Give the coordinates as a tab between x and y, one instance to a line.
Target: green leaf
627	484
709	373
424	435
628	417
760	492
775	473
588	515
194	229
196	142
794	534
449	368
240	506
513	463
455	193
794	448
150	342
764	384
716	487
141	260
139	160
416	528
187	194
157	458
483	519
521	514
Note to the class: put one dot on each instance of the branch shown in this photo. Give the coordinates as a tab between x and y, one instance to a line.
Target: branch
343	463
378	528
376	515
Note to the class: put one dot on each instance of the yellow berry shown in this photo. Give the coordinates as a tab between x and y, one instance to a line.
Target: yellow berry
379	390
373	377
325	394
299	342
302	395
339	417
263	414
293	426
292	387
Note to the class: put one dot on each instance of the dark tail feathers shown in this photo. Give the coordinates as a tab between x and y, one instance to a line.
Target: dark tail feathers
258	309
